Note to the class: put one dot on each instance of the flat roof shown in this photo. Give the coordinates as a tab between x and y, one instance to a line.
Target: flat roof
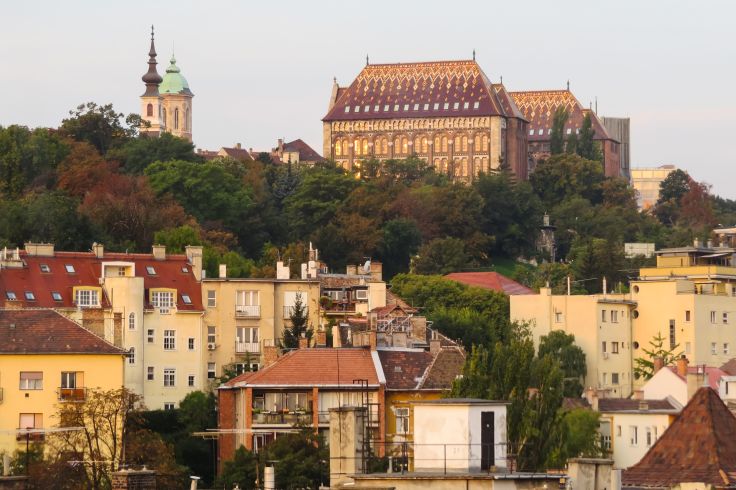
461	401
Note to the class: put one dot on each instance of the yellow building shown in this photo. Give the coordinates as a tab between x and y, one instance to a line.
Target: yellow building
47	359
244	315
646	182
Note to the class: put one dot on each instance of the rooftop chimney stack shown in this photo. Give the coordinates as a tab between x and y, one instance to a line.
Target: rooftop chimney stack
223	271
682	363
159	252
658	364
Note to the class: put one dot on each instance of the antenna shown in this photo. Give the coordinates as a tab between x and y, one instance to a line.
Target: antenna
473	54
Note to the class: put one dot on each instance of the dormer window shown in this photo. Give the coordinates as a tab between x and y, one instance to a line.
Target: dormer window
185	269
406	107
446	106
456	105
476	104
396	107
30	296
436	106
87	297
186	299
69	268
56	295
347	108
151	271
45	268
466	105
10	295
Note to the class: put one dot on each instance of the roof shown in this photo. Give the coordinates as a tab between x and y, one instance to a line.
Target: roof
574	403
425	89
43	331
699	446
337	281
490	280
87	270
404	369
314	367
462	401
714	374
539	108
236	153
174	82
446	367
729	368
630	405
306	152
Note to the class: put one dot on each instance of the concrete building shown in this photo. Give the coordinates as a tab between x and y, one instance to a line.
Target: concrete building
45	360
619	129
646	181
448	113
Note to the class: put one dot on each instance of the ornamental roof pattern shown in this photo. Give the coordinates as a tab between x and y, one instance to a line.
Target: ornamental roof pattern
538	107
426	89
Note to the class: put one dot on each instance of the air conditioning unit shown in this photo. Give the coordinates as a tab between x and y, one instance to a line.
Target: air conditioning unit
211	346
605	355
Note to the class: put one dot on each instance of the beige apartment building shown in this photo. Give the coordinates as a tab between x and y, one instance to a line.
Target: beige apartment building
646	183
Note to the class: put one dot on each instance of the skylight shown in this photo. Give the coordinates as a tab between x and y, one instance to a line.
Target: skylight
151	271
447	105
385	108
476	104
436	105
531	132
185	269
466	105
366	108
540	132
357	108
416	107
456	105
45	268
10	295
396	107
30	296
347	108
376	108
69	268
186	299
406	107
56	295
426	107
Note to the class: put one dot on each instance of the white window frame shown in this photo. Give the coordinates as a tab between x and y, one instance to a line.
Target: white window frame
211	334
162	299
131	355
211	298
211	370
169	339
402	420
151	335
131	321
34	382
191	380
87	298
169	377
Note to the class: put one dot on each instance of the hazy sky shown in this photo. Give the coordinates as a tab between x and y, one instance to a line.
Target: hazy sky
261	70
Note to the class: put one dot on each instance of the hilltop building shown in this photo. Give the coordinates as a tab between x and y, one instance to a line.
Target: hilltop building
448	113
166	105
646	182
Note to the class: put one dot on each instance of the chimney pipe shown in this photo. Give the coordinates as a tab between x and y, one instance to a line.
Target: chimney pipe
223	271
658	364
682	363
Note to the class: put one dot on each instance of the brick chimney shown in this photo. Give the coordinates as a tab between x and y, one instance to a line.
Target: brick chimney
658	364
134	479
373	339
321	338
159	252
592	396
682	363
270	353
98	249
435	346
303	342
638	395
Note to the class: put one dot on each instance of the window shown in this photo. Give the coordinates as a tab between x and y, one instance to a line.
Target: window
69	268
376	108
162	299
712	316
68	380
169	339
149	110
605	379
687	347
416	107
150	336
246	335
30	421
149	375
396	107
633	435
614	316
614	378
30	296
169	406
618	431
150	270
649	436
713	348
131	321
366	108
540	132
131	355
406	107
531	132
603	345
614	347
347	108
210	334
211	370
31	380
186	299
603	316
211	298
185	269
687	315
426	107
361	294
402	420
87	297
190	380
558	317
673	342
169	377
176	118
45	268
456	106
357	108
569	130
725	348
725	316
10	295
385	108
476	104
466	105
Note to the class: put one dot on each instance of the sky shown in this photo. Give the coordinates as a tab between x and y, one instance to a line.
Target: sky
263	70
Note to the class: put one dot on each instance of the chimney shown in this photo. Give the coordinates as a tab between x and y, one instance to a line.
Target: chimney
321	338
682	363
237	145
98	249
270	353
376	271
282	271
638	395
696	243
373	339
159	252
39	249
605	286
658	364
303	342
223	271
435	346
281	146
695	381
194	256
592	397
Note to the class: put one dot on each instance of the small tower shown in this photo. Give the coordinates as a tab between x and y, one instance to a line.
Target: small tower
177	102
151	108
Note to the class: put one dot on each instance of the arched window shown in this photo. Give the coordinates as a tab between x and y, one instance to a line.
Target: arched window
424	144
476	166
131	356
397	146
345	147
186	120
465	143
417	144
164	117
356	146
437	143
131	321
443	166
338	148
176	118
365	146
484	164
384	146
404	145
444	143
149	110
484	145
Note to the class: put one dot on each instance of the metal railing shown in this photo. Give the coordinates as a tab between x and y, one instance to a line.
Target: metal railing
282	418
248	311
72	394
247	347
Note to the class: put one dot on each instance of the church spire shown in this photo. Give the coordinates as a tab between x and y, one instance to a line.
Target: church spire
152	78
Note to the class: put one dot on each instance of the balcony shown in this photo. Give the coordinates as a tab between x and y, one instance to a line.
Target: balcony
247	347
72	394
339	307
248	311
285	418
30	435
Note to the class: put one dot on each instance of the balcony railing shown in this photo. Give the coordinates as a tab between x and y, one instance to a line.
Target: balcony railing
248	311
289	310
72	394
247	347
29	434
287	418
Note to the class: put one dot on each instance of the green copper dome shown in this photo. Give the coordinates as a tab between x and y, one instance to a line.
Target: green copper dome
174	82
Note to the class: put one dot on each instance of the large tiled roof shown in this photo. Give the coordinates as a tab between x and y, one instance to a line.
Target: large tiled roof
87	272
237	153
490	280
714	374
306	152
730	367
446	367
699	446
387	91
539	108
631	405
409	369
42	331
314	367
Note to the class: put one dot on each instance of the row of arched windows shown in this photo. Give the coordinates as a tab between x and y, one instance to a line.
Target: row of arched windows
185	123
401	145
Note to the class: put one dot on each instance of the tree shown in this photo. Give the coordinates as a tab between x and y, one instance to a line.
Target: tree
562	177
177	239
561	346
242	471
587	147
100	126
674	186
139	153
401	240
557	137
299	325
576	435
644	366
440	256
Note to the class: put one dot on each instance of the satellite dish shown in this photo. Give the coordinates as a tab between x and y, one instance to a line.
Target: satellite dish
367	266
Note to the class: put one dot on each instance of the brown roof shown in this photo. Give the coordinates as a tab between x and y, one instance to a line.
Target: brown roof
714	374
421	370
631	405
573	403
314	367
387	91
730	367
87	271
42	331
539	108
445	368
699	446
237	153
306	152
490	280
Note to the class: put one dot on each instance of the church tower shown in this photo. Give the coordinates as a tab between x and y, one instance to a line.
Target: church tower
177	102
151	101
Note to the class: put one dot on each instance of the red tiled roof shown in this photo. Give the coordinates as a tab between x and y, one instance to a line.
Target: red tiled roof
237	153
404	369
631	405
699	446
729	368
490	280
445	368
714	374
418	84
87	272
314	367
306	153
539	108
45	331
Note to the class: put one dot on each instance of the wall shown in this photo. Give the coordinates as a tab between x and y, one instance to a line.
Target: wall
666	383
626	454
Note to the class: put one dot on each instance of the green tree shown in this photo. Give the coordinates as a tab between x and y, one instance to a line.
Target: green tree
299	325
302	460
52	217
138	153
177	239
562	177
644	366
575	435
587	147
100	126
561	346
557	137
674	186
440	256
401	240
242	471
